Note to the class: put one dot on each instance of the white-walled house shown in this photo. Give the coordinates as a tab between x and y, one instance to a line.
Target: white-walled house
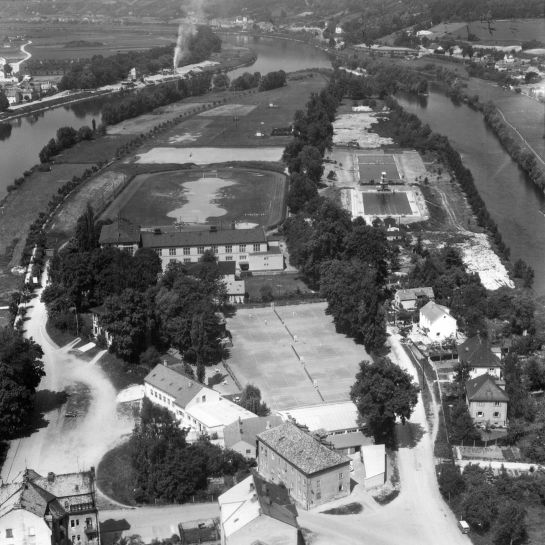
197	407
436	322
486	401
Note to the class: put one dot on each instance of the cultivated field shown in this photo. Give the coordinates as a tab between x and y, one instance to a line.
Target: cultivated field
269	346
247	196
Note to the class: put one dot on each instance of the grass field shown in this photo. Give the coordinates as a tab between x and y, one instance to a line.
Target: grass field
115	476
386	204
203	196
265	353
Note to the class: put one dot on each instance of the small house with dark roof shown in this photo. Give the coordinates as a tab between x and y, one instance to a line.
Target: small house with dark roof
256	511
486	401
408	299
476	354
241	435
436	322
312	472
200	409
121	234
52	510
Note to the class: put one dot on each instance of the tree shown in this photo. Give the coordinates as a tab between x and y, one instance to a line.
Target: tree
66	137
250	399
511	528
462	427
4	102
383	392
451	483
480	506
87	234
85	133
15	403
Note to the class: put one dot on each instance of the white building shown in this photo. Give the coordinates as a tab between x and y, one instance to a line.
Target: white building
197	407
436	322
408	299
374	465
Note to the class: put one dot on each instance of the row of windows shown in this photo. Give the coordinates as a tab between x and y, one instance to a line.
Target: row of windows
186	250
480	414
496	403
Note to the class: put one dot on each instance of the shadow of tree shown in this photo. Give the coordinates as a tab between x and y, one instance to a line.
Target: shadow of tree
409	434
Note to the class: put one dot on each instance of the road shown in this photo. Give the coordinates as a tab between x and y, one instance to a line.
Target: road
66	444
419	515
16	66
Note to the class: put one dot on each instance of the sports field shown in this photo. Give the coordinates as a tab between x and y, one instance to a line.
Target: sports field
371	167
269	345
386	204
247	196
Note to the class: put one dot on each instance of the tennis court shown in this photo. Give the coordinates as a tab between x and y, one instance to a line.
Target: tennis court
371	167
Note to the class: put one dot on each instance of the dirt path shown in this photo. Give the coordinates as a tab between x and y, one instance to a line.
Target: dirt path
67	443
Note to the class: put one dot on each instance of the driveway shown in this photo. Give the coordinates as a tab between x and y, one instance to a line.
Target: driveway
74	435
419	515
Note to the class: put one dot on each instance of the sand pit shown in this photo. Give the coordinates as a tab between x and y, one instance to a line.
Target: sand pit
354	128
229	110
206	156
200	204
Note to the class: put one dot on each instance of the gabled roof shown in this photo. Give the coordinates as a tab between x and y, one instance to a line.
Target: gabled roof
484	388
434	312
476	352
121	231
202	238
182	388
301	449
247	430
412	294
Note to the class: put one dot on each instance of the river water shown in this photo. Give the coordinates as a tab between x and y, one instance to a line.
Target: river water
513	201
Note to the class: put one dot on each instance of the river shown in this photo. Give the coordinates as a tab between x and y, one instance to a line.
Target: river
513	201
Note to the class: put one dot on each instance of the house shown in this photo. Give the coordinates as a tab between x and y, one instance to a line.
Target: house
486	401
121	234
255	511
52	510
409	299
476	354
312	472
241	435
235	286
374	465
200	409
436	322
248	248
350	442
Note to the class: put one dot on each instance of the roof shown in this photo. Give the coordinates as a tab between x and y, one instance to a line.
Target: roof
331	417
349	440
202	238
374	459
219	413
301	449
412	294
476	352
121	231
182	388
484	388
252	498
248	429
434	312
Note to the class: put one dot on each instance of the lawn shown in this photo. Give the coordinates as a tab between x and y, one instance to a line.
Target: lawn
282	286
115	476
247	196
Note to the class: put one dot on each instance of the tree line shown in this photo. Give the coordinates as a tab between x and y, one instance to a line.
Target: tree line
169	470
99	70
67	137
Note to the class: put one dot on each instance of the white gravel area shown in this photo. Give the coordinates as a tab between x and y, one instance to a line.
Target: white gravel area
355	127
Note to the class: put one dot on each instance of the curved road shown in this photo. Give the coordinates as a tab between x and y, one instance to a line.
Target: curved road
67	443
16	66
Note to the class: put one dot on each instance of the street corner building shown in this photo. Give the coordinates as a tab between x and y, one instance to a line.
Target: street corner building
312	473
52	510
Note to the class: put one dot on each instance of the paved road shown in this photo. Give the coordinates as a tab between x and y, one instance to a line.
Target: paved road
160	522
419	515
66	444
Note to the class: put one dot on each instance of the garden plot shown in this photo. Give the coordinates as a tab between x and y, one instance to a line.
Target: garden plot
354	128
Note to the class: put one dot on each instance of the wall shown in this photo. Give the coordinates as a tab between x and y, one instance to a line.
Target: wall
77	523
267	529
23	523
478	371
488	408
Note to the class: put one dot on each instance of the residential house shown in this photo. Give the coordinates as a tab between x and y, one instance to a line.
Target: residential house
52	510
486	401
374	465
476	354
312	472
436	322
121	234
410	298
200	409
248	248
255	512
349	443
242	434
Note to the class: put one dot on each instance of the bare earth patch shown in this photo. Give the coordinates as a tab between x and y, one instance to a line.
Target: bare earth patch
206	156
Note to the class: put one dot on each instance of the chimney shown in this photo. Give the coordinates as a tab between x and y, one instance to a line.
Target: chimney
51	477
268	425
165	363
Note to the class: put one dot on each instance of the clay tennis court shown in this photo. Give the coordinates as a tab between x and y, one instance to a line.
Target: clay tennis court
268	345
